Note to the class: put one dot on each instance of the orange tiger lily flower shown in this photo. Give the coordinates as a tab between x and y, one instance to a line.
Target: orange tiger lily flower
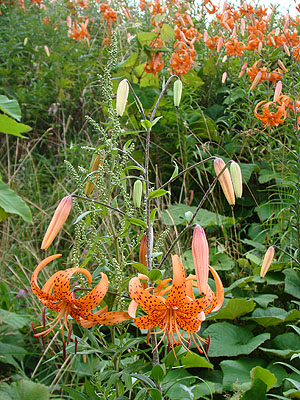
268	117
178	311
57	296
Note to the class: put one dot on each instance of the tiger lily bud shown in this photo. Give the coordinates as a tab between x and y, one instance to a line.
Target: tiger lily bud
59	218
177	90
256	81
122	95
237	180
143	251
267	261
90	185
278	90
225	180
200	257
137	193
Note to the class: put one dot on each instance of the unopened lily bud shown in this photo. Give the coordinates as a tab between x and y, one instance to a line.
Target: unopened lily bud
277	31
122	95
259	47
59	218
177	90
256	81
46	48
237	180
200	257
224	59
282	66
219	44
225	180
224	77
267	261
143	251
25	41
278	89
243	26
90	185
286	49
205	36
137	193
243	69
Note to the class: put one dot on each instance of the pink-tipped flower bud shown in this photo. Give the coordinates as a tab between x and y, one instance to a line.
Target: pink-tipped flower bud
256	81
243	69
224	77
277	92
200	257
267	261
225	180
59	218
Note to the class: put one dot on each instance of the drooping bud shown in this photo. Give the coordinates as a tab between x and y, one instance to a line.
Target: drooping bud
256	81
237	180
143	251
277	92
177	90
282	66
90	185
286	49
225	180
243	26
47	50
59	218
224	77
200	257
267	261
122	95
243	69
137	193
219	44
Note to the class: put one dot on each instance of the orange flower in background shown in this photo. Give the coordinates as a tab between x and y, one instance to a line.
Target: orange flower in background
79	34
275	75
261	11
108	13
275	40
212	42
268	117
182	58
234	47
246	10
179	312
255	69
57	296
209	7
255	41
155	64
83	4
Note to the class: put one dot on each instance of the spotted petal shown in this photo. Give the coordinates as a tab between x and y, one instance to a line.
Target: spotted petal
188	323
147	301
177	295
61	283
41	294
92	299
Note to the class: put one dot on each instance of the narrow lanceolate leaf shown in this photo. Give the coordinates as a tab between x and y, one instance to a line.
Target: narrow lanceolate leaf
157	193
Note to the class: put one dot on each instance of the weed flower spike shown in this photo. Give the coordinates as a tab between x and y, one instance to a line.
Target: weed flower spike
59	218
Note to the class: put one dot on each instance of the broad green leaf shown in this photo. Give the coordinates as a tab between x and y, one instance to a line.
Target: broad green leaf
11	127
130	62
9	353
193	360
191	78
24	389
3	215
155	394
237	372
176	215
166	33
229	340
284	345
149	80
209	67
257	391
292	282
10	107
279	372
264	211
247	170
158	373
13	204
234	308
273	316
264	299
263	374
145	37
157	193
140	267
146	124
16	321
154	275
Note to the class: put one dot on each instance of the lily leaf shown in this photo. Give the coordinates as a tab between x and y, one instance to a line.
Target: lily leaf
13	204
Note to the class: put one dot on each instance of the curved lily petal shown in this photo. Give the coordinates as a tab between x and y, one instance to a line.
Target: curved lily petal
92	299
89	324
61	283
187	323
34	285
219	289
147	301
132	308
177	294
